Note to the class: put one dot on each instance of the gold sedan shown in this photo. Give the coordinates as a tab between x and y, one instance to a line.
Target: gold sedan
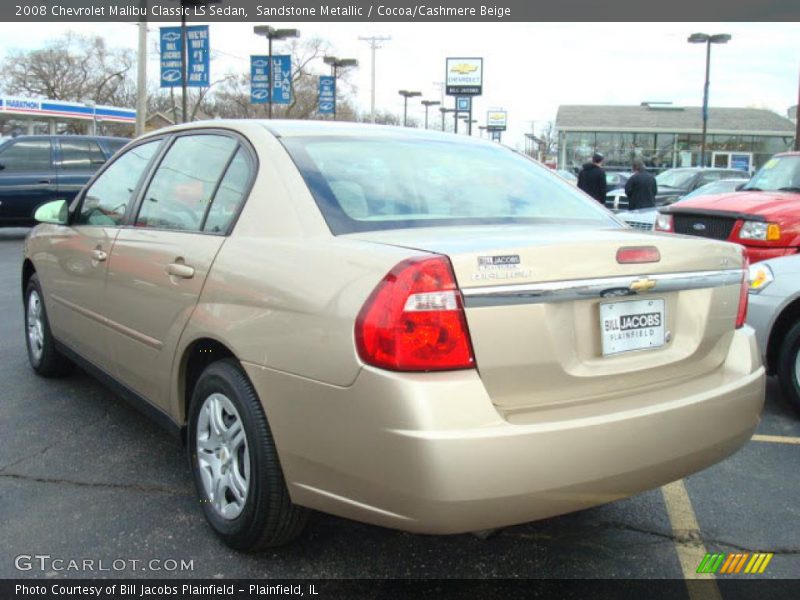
411	329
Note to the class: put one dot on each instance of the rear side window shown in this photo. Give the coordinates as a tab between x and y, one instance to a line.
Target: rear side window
106	201
80	155
230	194
184	183
26	155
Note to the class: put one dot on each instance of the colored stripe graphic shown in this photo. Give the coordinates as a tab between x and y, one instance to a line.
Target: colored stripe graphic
733	563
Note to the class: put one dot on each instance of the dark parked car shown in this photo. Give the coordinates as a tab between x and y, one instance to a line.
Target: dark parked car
674	184
36	169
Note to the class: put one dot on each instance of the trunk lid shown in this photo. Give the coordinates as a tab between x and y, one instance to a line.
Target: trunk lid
533	297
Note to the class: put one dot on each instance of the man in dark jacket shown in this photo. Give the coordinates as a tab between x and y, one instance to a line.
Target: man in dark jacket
641	188
592	179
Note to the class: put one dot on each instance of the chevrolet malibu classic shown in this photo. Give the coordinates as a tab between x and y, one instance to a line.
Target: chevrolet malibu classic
411	329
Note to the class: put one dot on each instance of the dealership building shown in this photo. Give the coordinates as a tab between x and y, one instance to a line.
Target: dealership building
666	136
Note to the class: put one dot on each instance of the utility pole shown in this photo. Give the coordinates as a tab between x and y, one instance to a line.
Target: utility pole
141	73
797	121
374	43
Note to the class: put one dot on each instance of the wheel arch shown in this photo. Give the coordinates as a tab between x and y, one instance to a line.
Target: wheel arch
28	271
790	314
197	355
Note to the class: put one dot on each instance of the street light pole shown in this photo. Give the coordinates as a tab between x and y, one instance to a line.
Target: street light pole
443	112
704	38
406	95
335	64
272	34
428	104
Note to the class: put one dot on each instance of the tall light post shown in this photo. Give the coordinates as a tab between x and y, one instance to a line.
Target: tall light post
469	123
406	95
704	38
427	104
336	64
444	111
273	34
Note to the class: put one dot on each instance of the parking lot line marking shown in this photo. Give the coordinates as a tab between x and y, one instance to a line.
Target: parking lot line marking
778	439
688	543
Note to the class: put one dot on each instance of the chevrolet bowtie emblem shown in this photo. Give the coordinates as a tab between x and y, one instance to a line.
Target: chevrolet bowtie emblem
463	68
643	285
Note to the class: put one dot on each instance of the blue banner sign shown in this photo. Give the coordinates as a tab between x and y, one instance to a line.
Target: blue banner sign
282	79
198	55
259	79
171	65
463	104
327	95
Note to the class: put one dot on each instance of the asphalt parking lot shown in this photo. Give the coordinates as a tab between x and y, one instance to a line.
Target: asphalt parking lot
83	475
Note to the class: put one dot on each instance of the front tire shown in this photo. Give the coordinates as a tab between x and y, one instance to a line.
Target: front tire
788	367
235	464
45	359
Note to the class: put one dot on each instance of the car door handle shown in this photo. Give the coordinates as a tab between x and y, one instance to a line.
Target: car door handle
45	181
180	270
99	255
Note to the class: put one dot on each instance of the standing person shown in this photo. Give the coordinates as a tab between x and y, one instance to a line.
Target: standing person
592	179
641	188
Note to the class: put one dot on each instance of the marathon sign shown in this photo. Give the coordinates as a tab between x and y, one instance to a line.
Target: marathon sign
464	76
35	107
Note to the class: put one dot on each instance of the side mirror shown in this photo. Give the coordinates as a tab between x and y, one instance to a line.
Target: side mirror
2	166
54	212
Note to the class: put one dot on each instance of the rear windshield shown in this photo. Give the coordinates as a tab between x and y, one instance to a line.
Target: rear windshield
367	184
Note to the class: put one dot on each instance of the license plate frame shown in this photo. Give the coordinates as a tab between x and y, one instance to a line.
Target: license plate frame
632	325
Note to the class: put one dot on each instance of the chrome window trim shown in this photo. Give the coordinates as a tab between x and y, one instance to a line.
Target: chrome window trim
606	287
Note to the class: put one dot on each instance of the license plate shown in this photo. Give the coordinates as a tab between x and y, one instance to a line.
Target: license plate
632	325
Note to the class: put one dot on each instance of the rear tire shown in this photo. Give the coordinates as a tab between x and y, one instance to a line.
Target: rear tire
235	464
788	367
45	359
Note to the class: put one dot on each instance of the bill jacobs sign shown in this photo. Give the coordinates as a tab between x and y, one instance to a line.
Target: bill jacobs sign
496	120
464	76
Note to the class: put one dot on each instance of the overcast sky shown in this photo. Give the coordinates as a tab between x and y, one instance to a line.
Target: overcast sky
529	68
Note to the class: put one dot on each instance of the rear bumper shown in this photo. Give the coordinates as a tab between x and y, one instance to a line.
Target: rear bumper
429	453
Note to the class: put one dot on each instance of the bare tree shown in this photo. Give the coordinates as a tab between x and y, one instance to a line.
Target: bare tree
73	68
548	140
232	98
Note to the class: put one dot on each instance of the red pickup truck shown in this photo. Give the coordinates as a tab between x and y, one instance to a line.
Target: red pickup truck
763	215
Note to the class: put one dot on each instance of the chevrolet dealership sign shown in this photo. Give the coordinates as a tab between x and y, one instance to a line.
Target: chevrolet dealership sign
464	76
496	120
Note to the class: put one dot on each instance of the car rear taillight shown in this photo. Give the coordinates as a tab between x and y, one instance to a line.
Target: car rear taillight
414	320
741	313
664	223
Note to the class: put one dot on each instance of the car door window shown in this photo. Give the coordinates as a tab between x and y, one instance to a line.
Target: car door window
107	199
230	194
184	183
80	155
26	155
